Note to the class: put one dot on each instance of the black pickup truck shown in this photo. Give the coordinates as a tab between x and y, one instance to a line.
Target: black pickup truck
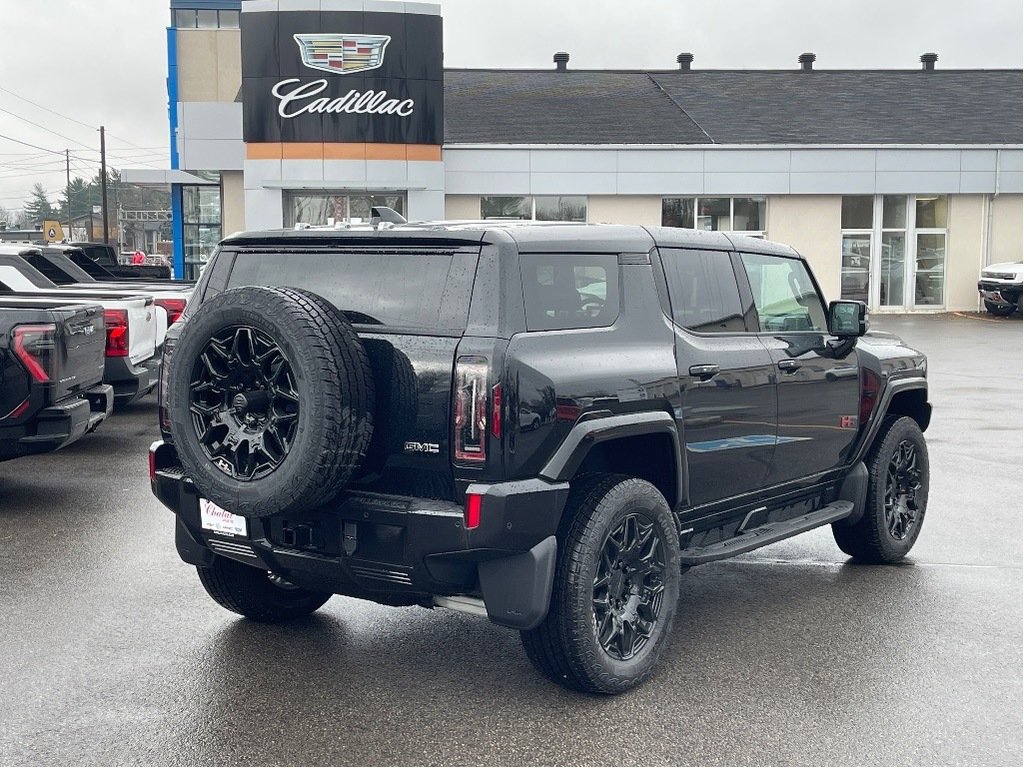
541	424
106	257
51	368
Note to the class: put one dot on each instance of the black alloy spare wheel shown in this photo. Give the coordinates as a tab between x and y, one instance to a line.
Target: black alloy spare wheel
270	397
244	403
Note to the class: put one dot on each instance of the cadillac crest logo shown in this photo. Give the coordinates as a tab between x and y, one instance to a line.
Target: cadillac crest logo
342	54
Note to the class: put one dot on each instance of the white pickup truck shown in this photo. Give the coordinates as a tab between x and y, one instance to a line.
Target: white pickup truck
1000	287
55	263
135	325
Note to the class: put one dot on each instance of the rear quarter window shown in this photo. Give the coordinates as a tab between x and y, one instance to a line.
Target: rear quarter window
564	291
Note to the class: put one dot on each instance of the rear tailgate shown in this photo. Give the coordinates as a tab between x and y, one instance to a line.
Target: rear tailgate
77	343
410	306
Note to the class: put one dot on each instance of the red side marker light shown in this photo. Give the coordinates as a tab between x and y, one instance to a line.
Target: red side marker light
472	511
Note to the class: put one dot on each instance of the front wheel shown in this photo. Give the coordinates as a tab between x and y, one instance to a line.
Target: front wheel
897	496
615	592
257	594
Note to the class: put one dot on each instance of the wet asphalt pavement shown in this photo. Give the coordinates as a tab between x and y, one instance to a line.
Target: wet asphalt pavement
111	653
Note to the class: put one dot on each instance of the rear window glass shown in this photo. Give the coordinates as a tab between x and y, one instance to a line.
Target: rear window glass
569	291
407	290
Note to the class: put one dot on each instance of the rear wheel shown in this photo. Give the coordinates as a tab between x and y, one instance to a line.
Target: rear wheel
257	594
616	588
897	496
1000	310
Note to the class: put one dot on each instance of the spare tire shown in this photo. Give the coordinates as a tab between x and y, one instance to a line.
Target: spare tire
270	398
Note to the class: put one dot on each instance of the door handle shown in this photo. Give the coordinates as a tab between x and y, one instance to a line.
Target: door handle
704	372
788	365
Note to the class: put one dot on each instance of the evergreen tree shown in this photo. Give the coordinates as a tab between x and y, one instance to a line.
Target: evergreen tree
38	209
81	199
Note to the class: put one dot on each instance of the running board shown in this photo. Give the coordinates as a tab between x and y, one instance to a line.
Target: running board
766	534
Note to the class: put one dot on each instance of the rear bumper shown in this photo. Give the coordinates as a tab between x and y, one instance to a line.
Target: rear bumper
59	425
392	549
130	381
999	292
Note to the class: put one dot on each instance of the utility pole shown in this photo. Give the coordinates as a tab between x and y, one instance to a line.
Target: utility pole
67	168
103	183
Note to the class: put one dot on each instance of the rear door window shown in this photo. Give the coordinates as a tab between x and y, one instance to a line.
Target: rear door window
703	290
410	290
784	294
564	291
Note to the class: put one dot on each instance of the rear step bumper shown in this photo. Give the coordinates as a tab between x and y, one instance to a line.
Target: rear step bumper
130	382
766	534
61	424
392	549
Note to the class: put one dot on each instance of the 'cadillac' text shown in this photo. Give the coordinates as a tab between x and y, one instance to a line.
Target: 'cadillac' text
299	100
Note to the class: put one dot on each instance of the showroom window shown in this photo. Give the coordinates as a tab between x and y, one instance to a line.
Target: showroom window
715	214
187	18
325	208
201	226
879	232
541	208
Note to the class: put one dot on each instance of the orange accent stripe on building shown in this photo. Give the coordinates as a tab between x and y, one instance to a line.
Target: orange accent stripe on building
342	151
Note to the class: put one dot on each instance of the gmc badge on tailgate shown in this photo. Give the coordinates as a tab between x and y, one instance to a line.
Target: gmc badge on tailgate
413	447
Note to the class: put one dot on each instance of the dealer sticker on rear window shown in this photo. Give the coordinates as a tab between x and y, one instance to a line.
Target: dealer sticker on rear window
218	520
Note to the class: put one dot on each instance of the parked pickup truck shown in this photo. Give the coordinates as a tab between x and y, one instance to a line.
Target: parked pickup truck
51	368
103	275
106	257
55	264
135	325
540	424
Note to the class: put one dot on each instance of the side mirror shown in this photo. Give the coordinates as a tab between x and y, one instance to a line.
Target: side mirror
847	319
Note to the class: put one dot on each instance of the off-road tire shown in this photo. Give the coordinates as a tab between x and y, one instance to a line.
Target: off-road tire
565	647
1000	310
869	539
333	384
255	593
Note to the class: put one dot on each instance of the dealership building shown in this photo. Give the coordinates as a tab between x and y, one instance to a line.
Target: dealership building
898	185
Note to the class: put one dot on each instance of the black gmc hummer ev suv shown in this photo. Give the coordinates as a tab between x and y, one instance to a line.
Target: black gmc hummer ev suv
546	424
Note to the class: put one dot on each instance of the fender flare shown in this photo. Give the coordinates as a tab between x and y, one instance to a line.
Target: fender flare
589	432
892	388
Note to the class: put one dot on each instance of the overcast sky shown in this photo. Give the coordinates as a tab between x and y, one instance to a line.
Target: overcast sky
105	61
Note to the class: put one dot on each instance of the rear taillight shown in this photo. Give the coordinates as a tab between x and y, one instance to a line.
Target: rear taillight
173	307
472	513
471	409
18	412
870	386
496	410
116	321
35	346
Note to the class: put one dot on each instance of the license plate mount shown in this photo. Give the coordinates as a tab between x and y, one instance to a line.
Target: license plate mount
218	520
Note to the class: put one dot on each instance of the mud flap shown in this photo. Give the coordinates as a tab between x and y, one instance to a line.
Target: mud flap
854	489
517	589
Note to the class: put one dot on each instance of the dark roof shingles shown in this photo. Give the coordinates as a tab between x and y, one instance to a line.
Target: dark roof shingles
734	107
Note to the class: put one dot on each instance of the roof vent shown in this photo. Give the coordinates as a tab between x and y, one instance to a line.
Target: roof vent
561	61
684	60
807	61
928	61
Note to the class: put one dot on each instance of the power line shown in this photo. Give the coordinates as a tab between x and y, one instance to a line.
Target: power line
43	127
58	114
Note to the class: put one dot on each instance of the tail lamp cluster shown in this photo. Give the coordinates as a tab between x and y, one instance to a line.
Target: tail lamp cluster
477	415
476	407
173	308
35	347
116	321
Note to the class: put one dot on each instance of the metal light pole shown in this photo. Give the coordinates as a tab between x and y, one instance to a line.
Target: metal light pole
103	183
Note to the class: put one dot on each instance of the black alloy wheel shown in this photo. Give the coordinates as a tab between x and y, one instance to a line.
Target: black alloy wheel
896	501
629	586
244	402
903	481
